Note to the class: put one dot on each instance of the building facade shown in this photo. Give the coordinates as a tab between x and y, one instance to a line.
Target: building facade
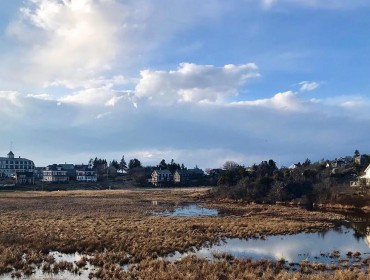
55	173
86	174
10	165
182	177
363	181
25	178
161	177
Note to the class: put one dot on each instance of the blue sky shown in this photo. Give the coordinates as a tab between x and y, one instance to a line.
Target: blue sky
199	82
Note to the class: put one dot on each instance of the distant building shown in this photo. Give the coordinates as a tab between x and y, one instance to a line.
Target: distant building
70	168
39	172
161	177
215	172
55	173
196	171
363	181
10	165
86	174
25	178
188	176
294	166
182	177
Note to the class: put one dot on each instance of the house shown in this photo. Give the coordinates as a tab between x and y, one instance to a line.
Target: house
188	176
25	178
364	180
196	171
182	177
55	173
38	172
214	173
10	165
294	166
86	174
161	177
70	168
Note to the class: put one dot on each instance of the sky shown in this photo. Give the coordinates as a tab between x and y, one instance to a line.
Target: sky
200	82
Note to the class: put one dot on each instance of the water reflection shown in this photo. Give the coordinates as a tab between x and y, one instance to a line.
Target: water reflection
77	273
293	248
189	210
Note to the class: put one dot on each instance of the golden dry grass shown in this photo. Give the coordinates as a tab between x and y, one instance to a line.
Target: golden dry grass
117	227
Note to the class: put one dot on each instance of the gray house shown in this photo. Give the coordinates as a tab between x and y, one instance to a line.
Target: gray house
161	177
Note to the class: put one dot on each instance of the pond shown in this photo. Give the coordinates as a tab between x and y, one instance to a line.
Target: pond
78	273
347	244
188	210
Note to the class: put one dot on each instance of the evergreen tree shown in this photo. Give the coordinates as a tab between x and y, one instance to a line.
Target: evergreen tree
122	164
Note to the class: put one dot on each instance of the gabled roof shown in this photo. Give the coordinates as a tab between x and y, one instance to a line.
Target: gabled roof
83	167
67	166
367	169
184	172
196	171
163	172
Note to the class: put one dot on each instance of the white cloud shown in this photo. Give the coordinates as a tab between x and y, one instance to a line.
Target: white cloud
287	101
103	115
347	102
75	39
96	97
194	83
10	98
71	42
89	83
42	96
353	104
246	134
308	86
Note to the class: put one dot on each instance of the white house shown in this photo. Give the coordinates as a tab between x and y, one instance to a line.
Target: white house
10	165
86	174
55	173
364	180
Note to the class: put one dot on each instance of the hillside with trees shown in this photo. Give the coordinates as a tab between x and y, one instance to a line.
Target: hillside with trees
323	182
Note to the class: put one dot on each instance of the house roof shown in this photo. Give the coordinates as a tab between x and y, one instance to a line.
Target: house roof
163	172
196	170
82	167
367	169
293	166
67	166
55	167
19	158
183	172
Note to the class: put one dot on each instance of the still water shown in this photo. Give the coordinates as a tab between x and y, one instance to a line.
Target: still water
189	210
330	246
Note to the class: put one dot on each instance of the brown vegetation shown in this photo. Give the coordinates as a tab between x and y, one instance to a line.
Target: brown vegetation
117	228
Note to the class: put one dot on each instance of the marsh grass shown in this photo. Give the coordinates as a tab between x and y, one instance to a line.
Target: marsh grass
117	228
